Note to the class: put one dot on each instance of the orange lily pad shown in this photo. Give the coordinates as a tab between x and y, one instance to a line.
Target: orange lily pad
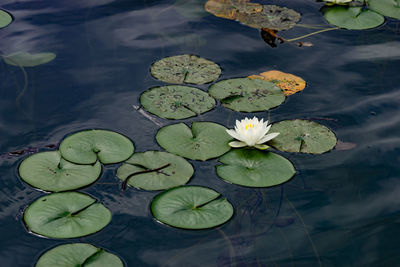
289	83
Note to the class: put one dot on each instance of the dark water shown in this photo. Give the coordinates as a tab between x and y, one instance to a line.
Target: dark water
341	209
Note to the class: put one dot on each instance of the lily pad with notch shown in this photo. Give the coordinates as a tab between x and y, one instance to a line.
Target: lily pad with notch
26	59
78	254
254	168
87	146
352	18
191	207
155	170
50	172
66	215
389	8
176	101
247	95
205	140
5	18
185	69
302	136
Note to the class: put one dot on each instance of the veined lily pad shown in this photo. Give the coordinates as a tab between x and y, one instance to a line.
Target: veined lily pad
66	215
177	170
353	18
204	141
302	136
185	69
191	207
176	101
254	168
389	8
5	18
78	254
86	147
26	59
49	172
247	95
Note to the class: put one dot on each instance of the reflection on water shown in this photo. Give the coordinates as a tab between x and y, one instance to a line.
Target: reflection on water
341	208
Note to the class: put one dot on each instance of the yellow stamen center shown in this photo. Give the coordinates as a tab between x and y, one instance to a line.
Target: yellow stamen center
251	125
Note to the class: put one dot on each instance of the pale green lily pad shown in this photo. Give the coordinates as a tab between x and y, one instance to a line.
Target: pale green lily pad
353	18
177	173
302	136
66	215
247	95
86	147
185	69
389	8
5	18
204	141
49	172
176	101
191	207
26	59
78	254
254	168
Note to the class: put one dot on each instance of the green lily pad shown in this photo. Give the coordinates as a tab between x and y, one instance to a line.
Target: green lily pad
5	18
204	141
178	172
49	172
389	8
66	215
254	168
78	254
26	59
247	95
176	101
185	69
191	207
353	18
86	147
302	136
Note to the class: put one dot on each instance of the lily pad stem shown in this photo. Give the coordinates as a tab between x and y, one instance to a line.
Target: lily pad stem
123	186
307	35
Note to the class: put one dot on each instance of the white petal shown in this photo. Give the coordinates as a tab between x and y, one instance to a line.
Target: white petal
268	137
234	134
261	147
237	144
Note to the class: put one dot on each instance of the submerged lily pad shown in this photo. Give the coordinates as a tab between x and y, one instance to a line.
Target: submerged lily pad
204	141
49	172
78	254
5	18
353	18
86	147
176	101
302	136
389	8
254	168
26	59
177	171
66	215
247	95
191	207
185	69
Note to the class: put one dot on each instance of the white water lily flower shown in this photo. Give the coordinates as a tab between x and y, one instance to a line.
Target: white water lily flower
251	132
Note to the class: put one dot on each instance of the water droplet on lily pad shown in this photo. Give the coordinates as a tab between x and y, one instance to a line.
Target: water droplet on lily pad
66	215
49	172
352	18
78	254
5	18
26	59
389	8
176	101
191	207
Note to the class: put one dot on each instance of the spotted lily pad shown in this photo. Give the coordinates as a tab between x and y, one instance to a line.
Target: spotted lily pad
302	136
5	18
204	141
389	8
247	95
66	215
177	171
353	18
185	69
49	172
255	168
86	147
176	101
78	254
26	59
191	207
